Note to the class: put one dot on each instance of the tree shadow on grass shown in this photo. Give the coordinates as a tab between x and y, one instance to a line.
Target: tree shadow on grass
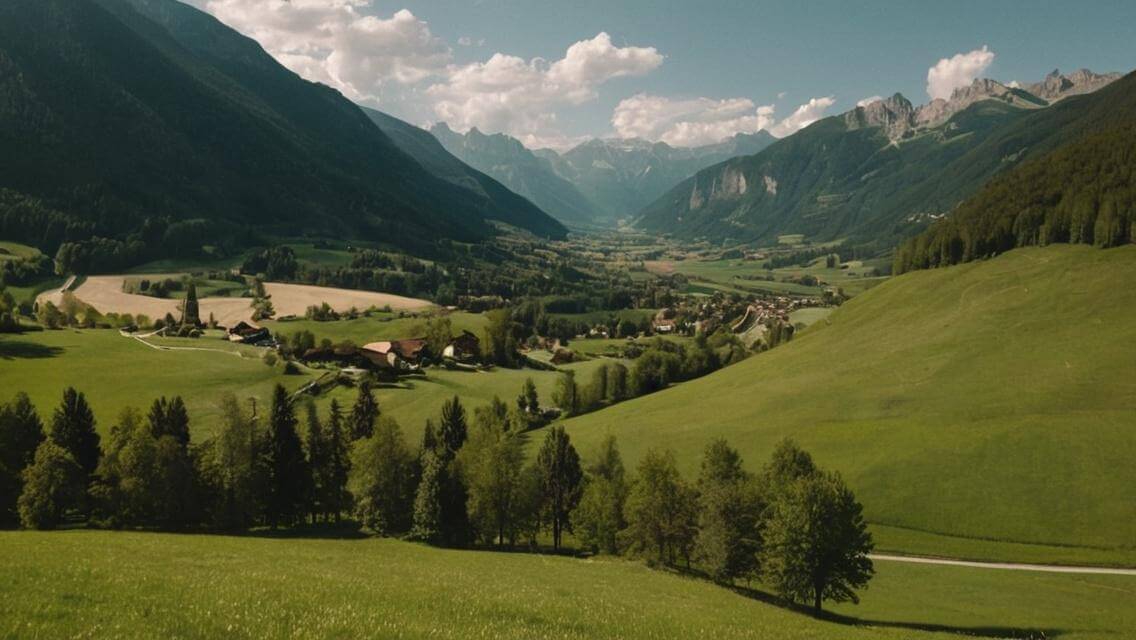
979	631
22	349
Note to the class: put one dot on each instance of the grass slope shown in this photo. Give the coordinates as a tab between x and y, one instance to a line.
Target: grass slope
991	400
128	585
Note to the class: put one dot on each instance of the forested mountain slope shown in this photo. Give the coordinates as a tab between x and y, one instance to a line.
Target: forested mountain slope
1082	192
878	173
425	148
989	400
507	160
115	112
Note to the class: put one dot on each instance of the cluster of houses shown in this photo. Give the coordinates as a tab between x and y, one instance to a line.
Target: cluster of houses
385	358
393	358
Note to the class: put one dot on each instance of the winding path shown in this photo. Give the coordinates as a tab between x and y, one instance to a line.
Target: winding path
1011	566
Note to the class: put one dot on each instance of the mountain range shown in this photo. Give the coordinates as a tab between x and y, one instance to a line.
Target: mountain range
879	172
597	182
115	112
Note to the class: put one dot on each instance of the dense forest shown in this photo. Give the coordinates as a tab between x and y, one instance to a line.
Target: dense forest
1084	192
189	134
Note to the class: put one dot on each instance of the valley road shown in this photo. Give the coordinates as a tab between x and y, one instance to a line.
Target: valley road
1011	566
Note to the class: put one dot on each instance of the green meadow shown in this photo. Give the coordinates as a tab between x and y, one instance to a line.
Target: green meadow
991	401
145	585
115	372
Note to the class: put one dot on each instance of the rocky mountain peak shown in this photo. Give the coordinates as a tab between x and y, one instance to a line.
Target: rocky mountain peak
895	115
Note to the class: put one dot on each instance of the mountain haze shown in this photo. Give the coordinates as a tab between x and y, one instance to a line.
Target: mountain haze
875	174
507	160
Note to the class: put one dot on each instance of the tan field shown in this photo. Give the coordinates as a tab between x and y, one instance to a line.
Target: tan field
105	294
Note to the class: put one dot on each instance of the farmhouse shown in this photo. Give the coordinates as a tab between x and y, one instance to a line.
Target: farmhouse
463	348
409	351
248	333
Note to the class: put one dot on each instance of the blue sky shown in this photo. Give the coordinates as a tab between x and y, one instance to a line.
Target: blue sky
689	71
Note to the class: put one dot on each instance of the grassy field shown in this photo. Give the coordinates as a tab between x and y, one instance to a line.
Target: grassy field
992	400
380	326
131	585
116	372
740	276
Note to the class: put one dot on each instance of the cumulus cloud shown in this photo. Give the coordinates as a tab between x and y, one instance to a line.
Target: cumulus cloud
688	123
867	101
805	115
957	71
700	121
334	42
520	97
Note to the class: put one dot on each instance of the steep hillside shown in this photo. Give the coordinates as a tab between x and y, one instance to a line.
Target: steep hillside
622	176
507	160
117	111
991	400
1082	192
877	173
502	203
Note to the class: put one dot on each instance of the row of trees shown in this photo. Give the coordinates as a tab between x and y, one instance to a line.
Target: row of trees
794	526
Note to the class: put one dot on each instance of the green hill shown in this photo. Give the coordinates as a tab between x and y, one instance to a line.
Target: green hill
117	112
991	400
145	585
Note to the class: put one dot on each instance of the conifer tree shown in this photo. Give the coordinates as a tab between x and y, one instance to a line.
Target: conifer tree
428	524
317	462
190	313
21	432
288	475
336	497
73	428
364	413
453	427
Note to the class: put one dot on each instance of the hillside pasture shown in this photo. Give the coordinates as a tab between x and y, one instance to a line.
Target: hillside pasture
139	585
987	401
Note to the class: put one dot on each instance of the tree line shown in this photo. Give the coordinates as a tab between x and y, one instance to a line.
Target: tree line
794	526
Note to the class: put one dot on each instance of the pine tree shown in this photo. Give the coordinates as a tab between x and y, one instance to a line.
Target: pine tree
453	427
73	428
429	438
169	418
428	524
190	313
364	413
561	479
288	475
317	462
21	432
336	497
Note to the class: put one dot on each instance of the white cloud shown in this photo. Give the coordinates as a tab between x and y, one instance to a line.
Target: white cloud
688	123
867	101
805	115
957	71
701	121
333	42
520	97
781	95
